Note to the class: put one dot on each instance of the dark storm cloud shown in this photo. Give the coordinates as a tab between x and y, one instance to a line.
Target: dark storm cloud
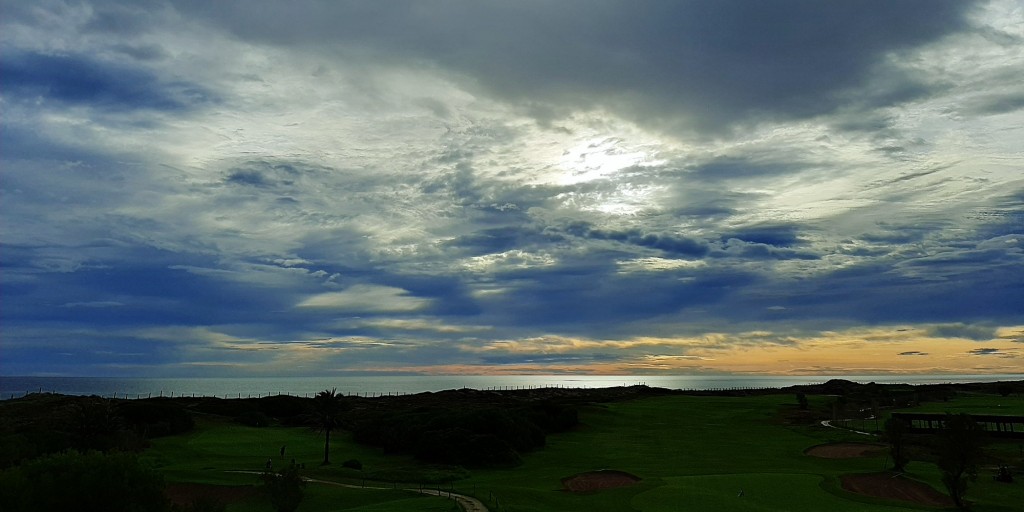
774	235
364	179
670	244
493	240
874	292
82	80
592	298
269	173
736	248
1005	216
22	142
152	287
710	63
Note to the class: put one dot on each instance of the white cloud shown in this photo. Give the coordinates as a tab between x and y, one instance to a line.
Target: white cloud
366	298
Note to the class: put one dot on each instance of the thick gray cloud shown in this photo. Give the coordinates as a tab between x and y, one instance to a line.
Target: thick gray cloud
689	64
255	187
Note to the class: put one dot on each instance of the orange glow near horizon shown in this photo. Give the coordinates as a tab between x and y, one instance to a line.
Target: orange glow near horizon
862	351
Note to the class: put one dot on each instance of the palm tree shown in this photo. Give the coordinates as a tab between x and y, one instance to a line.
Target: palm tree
327	409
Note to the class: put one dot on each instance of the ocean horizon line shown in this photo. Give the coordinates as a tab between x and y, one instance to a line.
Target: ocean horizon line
376	385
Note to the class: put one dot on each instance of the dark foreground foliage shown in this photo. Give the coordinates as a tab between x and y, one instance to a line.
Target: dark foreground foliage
156	418
473	430
82	482
284	488
43	424
959	451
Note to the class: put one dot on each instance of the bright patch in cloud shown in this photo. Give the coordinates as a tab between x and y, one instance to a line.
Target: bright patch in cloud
365	298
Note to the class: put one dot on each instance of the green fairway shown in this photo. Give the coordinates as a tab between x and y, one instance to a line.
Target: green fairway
692	453
700	451
977	403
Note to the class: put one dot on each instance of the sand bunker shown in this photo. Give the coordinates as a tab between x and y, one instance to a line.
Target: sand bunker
845	450
895	487
597	480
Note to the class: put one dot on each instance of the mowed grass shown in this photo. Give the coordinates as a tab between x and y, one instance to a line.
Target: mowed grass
976	403
692	453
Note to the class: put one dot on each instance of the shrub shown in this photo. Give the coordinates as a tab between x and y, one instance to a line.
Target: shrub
284	488
960	450
353	464
83	482
153	418
284	407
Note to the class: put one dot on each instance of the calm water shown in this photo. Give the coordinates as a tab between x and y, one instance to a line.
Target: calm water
374	385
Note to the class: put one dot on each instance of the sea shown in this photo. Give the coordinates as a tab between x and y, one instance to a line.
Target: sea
383	385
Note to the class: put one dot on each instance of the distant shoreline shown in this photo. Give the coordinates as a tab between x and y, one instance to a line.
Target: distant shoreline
243	387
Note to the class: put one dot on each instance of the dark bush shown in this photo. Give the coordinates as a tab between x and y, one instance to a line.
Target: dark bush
95	425
15	448
90	482
473	436
284	488
284	407
353	464
231	408
153	418
443	445
553	417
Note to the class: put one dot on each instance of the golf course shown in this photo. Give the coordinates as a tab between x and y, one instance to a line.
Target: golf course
656	453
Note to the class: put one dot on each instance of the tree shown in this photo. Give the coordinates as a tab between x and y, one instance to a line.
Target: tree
801	400
96	425
284	488
327	409
959	453
895	433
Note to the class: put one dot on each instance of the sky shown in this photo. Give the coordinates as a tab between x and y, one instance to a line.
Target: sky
268	188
